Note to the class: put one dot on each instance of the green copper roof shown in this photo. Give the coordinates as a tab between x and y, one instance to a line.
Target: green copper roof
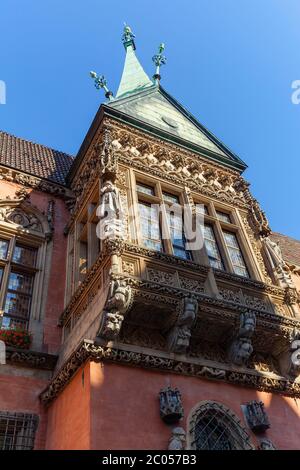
153	107
134	78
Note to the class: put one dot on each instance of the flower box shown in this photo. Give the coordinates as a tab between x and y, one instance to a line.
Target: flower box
18	338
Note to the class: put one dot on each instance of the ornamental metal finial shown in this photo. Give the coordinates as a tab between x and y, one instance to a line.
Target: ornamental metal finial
159	60
101	82
128	37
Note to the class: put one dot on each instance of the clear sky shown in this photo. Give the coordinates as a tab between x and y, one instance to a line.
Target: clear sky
230	62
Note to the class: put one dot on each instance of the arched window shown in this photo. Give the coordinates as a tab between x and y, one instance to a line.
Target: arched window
212	426
24	233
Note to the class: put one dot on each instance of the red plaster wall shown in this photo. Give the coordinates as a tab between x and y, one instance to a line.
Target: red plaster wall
125	407
21	394
69	415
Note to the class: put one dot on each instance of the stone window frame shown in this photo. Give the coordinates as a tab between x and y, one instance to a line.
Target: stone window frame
238	432
234	226
39	240
159	188
210	217
83	245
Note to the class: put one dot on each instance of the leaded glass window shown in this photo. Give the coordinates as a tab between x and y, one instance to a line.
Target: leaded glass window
212	248
235	254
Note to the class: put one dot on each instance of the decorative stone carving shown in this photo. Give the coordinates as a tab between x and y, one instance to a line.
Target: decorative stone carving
259	219
277	263
191	284
118	303
110	212
17	216
256	416
240	297
295	355
34	182
291	296
168	162
241	347
266	444
88	350
171	410
180	334
163	277
177	440
108	158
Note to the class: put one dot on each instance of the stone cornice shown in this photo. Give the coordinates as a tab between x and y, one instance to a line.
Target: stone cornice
262	381
242	281
170	259
39	184
31	359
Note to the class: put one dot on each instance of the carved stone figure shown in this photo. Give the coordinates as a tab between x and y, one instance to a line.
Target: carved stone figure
177	439
118	302
111	224
277	263
108	159
295	355
241	347
247	324
240	351
180	334
266	444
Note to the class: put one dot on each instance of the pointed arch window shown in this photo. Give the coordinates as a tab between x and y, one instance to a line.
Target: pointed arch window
215	427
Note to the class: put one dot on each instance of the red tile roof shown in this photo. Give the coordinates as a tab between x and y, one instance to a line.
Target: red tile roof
289	246
35	159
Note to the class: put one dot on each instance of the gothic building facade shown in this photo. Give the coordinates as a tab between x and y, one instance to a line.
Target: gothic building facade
118	330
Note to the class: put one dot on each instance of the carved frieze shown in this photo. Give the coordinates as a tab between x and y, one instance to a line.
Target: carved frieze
177	165
87	350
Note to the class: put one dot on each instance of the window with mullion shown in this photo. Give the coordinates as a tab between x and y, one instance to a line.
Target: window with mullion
150	226
235	254
175	224
19	288
212	248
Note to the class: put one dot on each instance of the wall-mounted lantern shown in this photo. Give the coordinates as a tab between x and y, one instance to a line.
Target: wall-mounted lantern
171	410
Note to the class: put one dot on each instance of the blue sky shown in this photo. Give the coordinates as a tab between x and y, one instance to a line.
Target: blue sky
231	63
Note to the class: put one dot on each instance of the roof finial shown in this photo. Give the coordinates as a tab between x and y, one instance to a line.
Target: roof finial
128	37
159	60
101	82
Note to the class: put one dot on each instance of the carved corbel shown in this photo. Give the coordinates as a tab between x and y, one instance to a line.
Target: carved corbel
119	301
241	347
179	336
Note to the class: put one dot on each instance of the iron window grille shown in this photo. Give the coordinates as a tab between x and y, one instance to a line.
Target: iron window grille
17	431
213	427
